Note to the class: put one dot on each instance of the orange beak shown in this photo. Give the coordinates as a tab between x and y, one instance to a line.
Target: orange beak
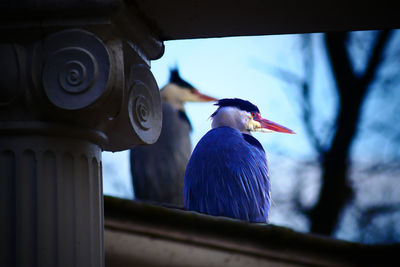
271	126
202	97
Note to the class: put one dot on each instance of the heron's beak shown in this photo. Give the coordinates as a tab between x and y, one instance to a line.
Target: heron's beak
269	126
199	97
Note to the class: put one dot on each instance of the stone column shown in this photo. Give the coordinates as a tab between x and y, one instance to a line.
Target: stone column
69	88
50	202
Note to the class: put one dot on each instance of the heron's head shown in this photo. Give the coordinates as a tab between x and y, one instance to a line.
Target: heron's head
244	116
178	91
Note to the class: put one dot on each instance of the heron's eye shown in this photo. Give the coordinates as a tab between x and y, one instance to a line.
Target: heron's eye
253	114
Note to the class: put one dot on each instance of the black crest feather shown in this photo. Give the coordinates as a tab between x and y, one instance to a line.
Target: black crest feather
238	103
177	79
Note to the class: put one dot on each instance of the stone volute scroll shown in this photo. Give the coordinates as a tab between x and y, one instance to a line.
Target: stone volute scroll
142	121
84	81
76	69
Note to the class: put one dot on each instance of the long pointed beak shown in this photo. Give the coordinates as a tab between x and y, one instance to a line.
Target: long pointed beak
202	97
271	126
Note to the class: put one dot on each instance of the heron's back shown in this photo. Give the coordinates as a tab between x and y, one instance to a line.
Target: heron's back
227	175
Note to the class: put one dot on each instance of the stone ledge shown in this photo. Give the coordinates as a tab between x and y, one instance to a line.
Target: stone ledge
230	238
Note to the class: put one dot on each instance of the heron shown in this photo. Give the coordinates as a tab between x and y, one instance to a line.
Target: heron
158	170
227	174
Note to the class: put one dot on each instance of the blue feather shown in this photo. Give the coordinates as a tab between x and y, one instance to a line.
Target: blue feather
227	175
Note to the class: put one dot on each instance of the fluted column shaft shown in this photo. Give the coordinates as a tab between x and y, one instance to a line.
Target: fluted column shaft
51	202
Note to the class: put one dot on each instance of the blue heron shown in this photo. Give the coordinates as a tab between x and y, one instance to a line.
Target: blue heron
227	174
158	170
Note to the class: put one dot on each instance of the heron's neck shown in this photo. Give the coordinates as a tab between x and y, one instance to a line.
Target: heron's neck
172	95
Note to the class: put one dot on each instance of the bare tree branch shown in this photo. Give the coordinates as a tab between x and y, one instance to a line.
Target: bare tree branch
368	214
376	58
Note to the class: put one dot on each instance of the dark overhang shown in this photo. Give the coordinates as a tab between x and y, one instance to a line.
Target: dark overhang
177	19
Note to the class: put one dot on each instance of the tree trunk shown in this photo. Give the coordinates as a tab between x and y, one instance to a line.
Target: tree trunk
335	191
